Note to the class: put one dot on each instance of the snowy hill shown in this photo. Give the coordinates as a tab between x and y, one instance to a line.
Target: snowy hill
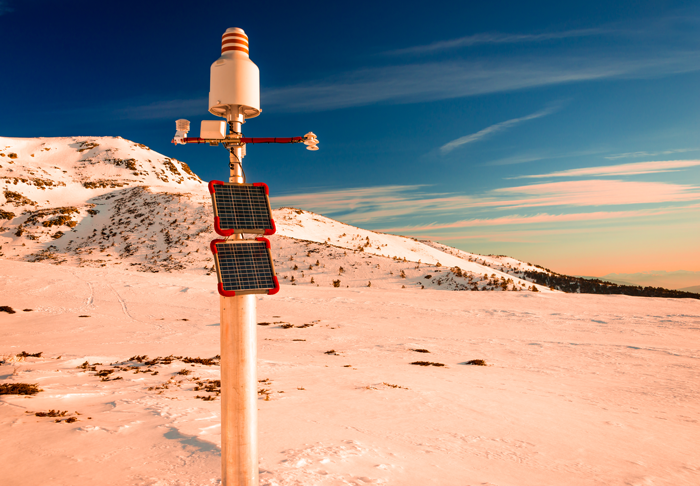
99	201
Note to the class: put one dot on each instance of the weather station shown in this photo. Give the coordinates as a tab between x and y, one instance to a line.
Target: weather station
244	266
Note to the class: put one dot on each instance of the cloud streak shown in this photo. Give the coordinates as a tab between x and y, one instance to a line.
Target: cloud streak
359	205
542	218
347	199
531	157
621	169
498	127
595	193
649	154
494	38
387	203
432	81
5	8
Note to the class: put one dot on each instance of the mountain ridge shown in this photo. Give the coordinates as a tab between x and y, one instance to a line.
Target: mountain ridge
99	201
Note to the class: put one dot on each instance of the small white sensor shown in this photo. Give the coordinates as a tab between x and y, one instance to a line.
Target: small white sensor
182	126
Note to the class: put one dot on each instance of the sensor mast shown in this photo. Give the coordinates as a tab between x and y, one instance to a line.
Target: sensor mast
234	95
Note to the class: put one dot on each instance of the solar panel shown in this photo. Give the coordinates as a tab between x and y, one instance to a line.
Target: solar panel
241	208
244	267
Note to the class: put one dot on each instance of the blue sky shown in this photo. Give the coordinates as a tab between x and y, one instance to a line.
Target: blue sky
566	134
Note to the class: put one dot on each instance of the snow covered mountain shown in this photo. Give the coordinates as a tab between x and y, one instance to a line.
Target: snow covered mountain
107	201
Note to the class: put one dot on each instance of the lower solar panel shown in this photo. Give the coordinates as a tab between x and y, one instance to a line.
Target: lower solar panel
244	267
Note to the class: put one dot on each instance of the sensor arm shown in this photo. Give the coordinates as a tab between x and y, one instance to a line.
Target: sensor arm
236	140
244	140
273	140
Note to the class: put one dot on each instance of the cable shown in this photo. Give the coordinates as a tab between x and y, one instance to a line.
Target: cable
240	164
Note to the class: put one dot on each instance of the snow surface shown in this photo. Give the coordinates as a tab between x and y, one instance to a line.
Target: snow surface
580	389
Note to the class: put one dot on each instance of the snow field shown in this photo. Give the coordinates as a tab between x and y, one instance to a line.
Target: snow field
581	389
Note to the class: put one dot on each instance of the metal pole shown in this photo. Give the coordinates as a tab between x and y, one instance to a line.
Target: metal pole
239	408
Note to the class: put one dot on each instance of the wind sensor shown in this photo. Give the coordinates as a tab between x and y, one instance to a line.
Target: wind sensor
244	267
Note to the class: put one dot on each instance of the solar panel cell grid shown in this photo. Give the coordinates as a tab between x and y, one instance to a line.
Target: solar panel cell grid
244	267
241	208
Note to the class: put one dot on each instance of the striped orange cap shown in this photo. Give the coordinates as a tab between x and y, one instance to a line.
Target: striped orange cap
234	39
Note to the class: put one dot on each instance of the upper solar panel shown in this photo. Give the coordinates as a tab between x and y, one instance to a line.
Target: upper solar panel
244	267
241	208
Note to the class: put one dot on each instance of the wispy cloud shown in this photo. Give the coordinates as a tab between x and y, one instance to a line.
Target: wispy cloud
498	127
419	82
5	7
517	159
594	193
531	157
358	205
347	199
431	81
405	84
542	218
672	49
494	38
621	169
649	154
387	203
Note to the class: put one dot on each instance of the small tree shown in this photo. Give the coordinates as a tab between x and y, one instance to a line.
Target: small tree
403	274
369	284
336	283
341	270
312	280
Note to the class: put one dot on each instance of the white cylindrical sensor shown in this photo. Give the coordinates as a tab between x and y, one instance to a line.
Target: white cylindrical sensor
235	79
